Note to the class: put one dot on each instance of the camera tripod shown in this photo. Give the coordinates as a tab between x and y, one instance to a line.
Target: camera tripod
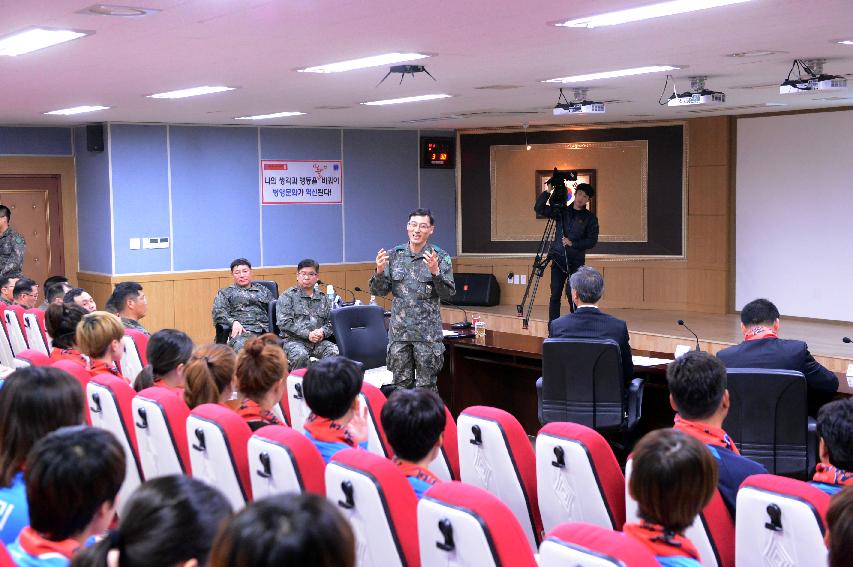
543	258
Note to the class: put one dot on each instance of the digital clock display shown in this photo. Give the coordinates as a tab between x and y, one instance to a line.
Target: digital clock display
437	153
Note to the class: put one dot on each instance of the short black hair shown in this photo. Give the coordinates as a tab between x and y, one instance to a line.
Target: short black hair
240	262
5	212
697	381
835	427
123	292
586	188
331	384
308	263
422	213
72	294
53	291
23	285
758	311
54	280
4	281
413	421
70	474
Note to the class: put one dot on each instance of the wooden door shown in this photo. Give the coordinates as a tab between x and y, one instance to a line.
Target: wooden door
36	213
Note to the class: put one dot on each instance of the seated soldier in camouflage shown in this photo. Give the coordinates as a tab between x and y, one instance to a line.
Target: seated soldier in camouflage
242	306
304	319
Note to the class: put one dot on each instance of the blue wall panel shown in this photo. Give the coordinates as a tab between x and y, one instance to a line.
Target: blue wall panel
381	188
38	141
215	196
294	232
140	195
438	194
93	208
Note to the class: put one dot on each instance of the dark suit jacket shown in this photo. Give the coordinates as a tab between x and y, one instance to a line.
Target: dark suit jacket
592	323
783	354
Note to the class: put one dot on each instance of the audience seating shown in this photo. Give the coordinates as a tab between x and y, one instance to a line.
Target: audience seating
82	375
218	438
31	357
712	532
373	398
768	419
14	317
110	408
380	505
495	454
298	410
283	460
272	313
7	357
446	464
221	334
582	382
160	418
592	546
361	336
134	359
36	335
465	526
780	522
578	478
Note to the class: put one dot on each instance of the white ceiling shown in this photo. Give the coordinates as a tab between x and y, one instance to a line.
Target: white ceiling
256	45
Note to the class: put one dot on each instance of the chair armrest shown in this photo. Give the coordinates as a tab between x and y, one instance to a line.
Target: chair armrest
539	400
221	336
635	401
812	445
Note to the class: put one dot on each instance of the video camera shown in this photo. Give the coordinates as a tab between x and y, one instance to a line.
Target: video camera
559	179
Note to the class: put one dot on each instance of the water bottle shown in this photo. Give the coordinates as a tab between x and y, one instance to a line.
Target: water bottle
372	300
330	293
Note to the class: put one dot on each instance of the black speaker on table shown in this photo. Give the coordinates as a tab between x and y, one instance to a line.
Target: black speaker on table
476	290
95	137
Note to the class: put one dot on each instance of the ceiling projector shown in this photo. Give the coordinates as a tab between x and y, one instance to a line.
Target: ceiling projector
811	78
577	106
698	94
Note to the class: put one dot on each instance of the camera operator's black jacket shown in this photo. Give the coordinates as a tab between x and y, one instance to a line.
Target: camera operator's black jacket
581	227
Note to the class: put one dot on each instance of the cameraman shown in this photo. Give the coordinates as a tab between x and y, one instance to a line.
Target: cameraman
577	231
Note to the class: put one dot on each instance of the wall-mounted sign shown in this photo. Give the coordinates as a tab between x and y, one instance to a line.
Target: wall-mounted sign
301	182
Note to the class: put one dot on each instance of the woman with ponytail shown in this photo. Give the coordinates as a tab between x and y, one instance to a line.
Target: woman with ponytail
209	376
168	352
261	368
60	322
171	520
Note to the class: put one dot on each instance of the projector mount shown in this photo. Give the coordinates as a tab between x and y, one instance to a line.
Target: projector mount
406	70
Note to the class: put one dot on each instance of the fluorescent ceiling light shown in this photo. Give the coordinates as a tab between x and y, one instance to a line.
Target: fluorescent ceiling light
77	110
265	116
418	98
647	12
195	91
34	39
612	74
846	42
364	62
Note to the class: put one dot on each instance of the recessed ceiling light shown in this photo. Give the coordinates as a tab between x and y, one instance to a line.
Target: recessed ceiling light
646	13
34	39
77	110
418	98
114	10
755	53
266	116
845	42
613	74
364	62
194	91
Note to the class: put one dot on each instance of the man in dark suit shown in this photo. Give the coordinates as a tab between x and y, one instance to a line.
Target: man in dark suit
762	348
589	322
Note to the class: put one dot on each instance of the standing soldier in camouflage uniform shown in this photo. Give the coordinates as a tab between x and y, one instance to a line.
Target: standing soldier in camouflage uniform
243	306
12	246
417	274
303	317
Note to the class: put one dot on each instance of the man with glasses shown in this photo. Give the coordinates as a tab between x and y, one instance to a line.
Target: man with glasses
26	293
303	315
417	274
242	306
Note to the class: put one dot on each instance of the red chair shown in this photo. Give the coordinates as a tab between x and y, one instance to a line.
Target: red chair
379	504
218	438
578	478
5	559
780	521
14	317
81	374
495	455
7	357
36	334
446	464
134	359
587	544
377	442
160	420
295	409
465	526
31	357
283	460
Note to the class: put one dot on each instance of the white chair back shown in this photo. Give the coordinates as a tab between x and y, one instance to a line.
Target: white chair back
37	337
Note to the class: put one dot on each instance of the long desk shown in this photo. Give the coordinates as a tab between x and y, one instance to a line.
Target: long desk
501	371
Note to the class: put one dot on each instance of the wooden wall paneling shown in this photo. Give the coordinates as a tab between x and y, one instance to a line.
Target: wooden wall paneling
707	290
708	190
623	287
193	302
664	288
708	241
360	278
709	140
161	305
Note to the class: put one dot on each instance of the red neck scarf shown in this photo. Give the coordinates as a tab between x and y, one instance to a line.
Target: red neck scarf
101	367
412	470
67	354
707	434
36	545
328	430
250	410
756	333
662	543
829	474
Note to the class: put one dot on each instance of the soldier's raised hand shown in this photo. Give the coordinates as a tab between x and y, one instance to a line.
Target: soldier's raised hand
431	259
381	260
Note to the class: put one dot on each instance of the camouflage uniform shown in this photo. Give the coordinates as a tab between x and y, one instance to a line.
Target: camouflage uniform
134	324
12	248
414	337
297	314
248	305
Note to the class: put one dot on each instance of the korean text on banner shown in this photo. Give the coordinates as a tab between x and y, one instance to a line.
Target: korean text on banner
303	182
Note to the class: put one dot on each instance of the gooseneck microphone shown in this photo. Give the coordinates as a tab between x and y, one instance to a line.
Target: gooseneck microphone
464	324
681	322
847	340
345	303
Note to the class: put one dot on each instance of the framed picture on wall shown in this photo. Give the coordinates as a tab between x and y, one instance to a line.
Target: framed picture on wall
584	176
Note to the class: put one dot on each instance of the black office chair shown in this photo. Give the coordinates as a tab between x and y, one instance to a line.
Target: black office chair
222	333
769	422
582	382
361	334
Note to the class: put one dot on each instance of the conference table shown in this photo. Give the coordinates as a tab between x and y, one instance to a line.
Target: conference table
501	370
